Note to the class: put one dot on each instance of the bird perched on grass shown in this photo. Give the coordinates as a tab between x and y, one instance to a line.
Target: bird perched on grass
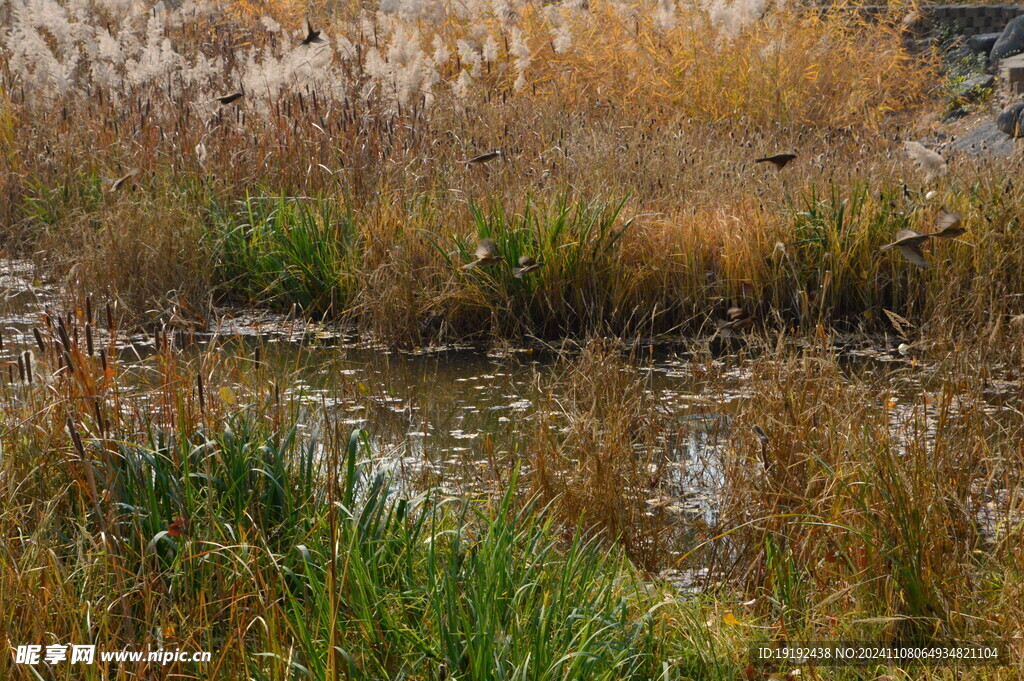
526	265
228	99
736	319
484	158
777	160
765	441
486	255
949	225
909	242
927	160
312	36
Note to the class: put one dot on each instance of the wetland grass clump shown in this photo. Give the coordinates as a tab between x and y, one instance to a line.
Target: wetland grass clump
580	287
845	503
599	470
287	253
861	502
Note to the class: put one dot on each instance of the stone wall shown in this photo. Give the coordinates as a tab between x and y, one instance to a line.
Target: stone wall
964	19
973	19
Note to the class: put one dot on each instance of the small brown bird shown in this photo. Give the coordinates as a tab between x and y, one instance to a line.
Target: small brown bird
765	441
486	255
736	319
227	99
909	242
777	160
484	158
948	225
120	182
526	265
312	36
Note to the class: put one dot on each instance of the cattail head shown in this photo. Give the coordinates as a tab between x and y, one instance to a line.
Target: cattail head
62	334
75	439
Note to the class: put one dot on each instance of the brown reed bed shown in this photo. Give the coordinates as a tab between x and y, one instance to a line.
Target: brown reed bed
848	501
676	147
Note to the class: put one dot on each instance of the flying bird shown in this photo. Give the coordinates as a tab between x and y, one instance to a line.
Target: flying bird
736	319
484	158
949	225
777	160
227	99
909	242
526	265
119	182
312	36
486	255
929	161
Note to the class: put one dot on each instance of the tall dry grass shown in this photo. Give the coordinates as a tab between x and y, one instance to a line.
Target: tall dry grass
846	501
662	108
595	460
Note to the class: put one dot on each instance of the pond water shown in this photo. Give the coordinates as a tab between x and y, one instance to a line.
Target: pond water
461	418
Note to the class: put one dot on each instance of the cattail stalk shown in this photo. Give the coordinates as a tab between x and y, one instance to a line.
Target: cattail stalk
202	397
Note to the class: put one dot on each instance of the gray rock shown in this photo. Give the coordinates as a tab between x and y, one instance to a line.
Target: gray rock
985	139
960	54
1011	121
983	42
1011	41
955	115
973	87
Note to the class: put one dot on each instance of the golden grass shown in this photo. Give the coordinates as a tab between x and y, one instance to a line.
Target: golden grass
668	119
873	492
